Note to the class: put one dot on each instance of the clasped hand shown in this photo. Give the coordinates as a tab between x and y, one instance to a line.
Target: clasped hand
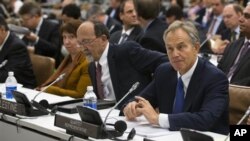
140	107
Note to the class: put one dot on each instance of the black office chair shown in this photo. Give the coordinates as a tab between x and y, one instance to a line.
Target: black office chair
192	135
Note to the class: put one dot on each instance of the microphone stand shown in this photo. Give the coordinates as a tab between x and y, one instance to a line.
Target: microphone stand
135	85
241	120
46	87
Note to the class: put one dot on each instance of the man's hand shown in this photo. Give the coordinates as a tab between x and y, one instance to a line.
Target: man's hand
130	111
32	37
144	107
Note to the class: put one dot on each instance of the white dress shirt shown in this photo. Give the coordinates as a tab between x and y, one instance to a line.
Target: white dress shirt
106	79
163	118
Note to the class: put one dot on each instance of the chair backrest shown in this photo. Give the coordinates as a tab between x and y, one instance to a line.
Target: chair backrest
239	102
43	67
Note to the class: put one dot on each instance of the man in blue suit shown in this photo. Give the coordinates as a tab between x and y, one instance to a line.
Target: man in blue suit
116	67
200	98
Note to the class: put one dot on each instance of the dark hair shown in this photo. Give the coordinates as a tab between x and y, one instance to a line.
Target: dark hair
72	10
122	5
237	8
95	9
100	29
31	8
3	23
147	9
70	26
174	10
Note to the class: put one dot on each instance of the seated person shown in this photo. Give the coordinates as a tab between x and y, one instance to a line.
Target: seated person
75	65
189	92
14	57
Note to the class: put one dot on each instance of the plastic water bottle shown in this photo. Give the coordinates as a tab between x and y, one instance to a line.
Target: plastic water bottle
10	84
89	98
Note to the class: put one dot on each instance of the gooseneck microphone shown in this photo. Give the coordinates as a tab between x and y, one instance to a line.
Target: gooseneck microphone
247	113
46	87
134	87
120	125
43	104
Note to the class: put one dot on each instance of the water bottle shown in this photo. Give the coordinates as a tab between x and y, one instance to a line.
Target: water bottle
10	84
89	98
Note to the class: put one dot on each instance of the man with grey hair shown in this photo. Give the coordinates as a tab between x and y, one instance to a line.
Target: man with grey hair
188	92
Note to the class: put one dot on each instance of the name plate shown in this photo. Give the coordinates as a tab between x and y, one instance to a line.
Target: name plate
79	128
9	107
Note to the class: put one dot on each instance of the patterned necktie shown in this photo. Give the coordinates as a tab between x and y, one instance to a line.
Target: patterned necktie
99	81
211	29
124	38
241	54
233	36
179	97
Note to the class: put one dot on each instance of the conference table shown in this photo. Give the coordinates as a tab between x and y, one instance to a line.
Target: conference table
42	128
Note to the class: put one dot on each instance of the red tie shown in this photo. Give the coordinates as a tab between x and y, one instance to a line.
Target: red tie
99	81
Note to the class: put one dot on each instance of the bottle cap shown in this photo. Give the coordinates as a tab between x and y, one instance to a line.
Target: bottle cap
90	88
11	73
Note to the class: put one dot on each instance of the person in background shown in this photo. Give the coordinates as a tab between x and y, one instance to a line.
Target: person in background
44	35
235	61
189	92
231	14
114	9
96	13
14	57
116	67
153	27
75	66
70	11
131	29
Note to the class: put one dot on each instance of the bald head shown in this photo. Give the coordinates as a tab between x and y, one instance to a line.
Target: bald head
92	38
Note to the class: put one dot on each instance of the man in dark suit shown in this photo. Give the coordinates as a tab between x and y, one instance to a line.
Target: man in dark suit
114	9
116	67
131	29
235	61
96	13
14	57
45	34
189	92
147	12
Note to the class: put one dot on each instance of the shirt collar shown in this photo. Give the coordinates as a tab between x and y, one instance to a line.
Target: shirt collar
103	58
39	25
8	34
187	76
128	32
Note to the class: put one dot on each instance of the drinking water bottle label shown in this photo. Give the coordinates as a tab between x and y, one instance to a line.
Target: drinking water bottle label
9	90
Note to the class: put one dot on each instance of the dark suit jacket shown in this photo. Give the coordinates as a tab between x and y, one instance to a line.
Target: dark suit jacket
153	36
116	16
242	73
129	63
134	35
113	25
15	52
206	100
48	39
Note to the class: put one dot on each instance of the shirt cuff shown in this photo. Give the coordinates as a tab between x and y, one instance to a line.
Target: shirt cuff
37	39
163	120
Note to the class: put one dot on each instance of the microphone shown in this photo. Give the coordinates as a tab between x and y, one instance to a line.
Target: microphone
247	113
43	104
3	63
134	87
45	88
121	124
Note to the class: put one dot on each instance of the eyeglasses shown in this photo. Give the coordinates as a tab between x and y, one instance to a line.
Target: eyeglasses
86	41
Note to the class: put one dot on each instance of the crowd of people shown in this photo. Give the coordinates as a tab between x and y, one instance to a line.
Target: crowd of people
142	41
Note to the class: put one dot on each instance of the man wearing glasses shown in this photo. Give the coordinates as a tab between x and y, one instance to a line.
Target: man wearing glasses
44	35
116	67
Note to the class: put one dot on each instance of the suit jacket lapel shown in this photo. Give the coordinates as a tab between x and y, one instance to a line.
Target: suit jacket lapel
112	68
193	85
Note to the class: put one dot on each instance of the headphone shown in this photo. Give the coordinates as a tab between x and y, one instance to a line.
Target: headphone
43	105
120	127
